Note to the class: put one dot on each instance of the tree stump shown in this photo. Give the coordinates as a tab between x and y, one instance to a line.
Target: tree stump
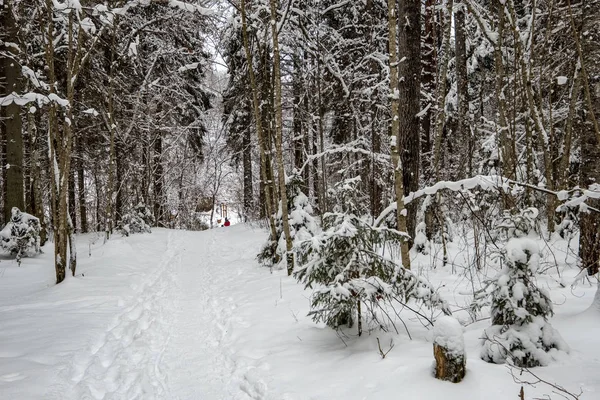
449	350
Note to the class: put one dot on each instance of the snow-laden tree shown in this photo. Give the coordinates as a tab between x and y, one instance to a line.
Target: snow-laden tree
138	220
353	270
520	310
303	225
21	234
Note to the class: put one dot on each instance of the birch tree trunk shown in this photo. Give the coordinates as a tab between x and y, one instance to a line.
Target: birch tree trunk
60	234
278	139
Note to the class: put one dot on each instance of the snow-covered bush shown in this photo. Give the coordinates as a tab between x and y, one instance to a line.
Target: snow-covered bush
516	225
352	263
302	224
138	220
22	234
520	311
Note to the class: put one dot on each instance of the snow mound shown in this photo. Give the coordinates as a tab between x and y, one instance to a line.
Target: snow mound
448	333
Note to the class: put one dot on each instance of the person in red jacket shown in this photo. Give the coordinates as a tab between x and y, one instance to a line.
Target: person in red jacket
227	223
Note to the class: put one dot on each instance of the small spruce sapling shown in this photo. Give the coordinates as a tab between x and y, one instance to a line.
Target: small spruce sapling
21	234
302	224
519	309
348	267
138	220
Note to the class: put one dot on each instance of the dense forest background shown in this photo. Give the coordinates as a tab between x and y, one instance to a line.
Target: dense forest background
465	113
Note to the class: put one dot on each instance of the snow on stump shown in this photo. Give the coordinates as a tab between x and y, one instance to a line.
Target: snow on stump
449	350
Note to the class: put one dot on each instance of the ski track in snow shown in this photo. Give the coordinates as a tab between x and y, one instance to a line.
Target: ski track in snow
171	341
126	362
200	350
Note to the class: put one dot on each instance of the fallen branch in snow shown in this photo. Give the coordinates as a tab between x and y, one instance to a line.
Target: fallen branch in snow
556	388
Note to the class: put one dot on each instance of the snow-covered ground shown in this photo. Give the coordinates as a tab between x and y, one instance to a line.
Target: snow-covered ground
190	315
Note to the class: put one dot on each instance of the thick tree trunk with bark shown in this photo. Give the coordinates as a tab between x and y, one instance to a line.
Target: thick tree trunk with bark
448	367
429	59
10	115
395	131
157	175
409	22
463	134
589	242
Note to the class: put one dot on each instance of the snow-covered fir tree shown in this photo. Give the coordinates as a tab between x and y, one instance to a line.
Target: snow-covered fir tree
21	234
520	310
303	225
352	267
138	220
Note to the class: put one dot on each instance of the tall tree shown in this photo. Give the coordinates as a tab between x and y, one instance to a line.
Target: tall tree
279	136
589	47
409	95
395	130
262	140
10	112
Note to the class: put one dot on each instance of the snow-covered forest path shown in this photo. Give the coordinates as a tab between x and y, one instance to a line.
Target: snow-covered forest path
179	315
199	357
147	318
170	342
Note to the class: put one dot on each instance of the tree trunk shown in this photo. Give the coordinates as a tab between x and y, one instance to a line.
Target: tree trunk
448	367
37	207
247	167
463	127
441	91
410	97
505	145
428	79
120	186
110	121
65	149
55	142
72	205
81	187
395	132
298	121
278	139
158	181
589	243
10	115
258	121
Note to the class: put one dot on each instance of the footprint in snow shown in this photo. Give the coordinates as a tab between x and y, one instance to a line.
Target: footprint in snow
17	376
